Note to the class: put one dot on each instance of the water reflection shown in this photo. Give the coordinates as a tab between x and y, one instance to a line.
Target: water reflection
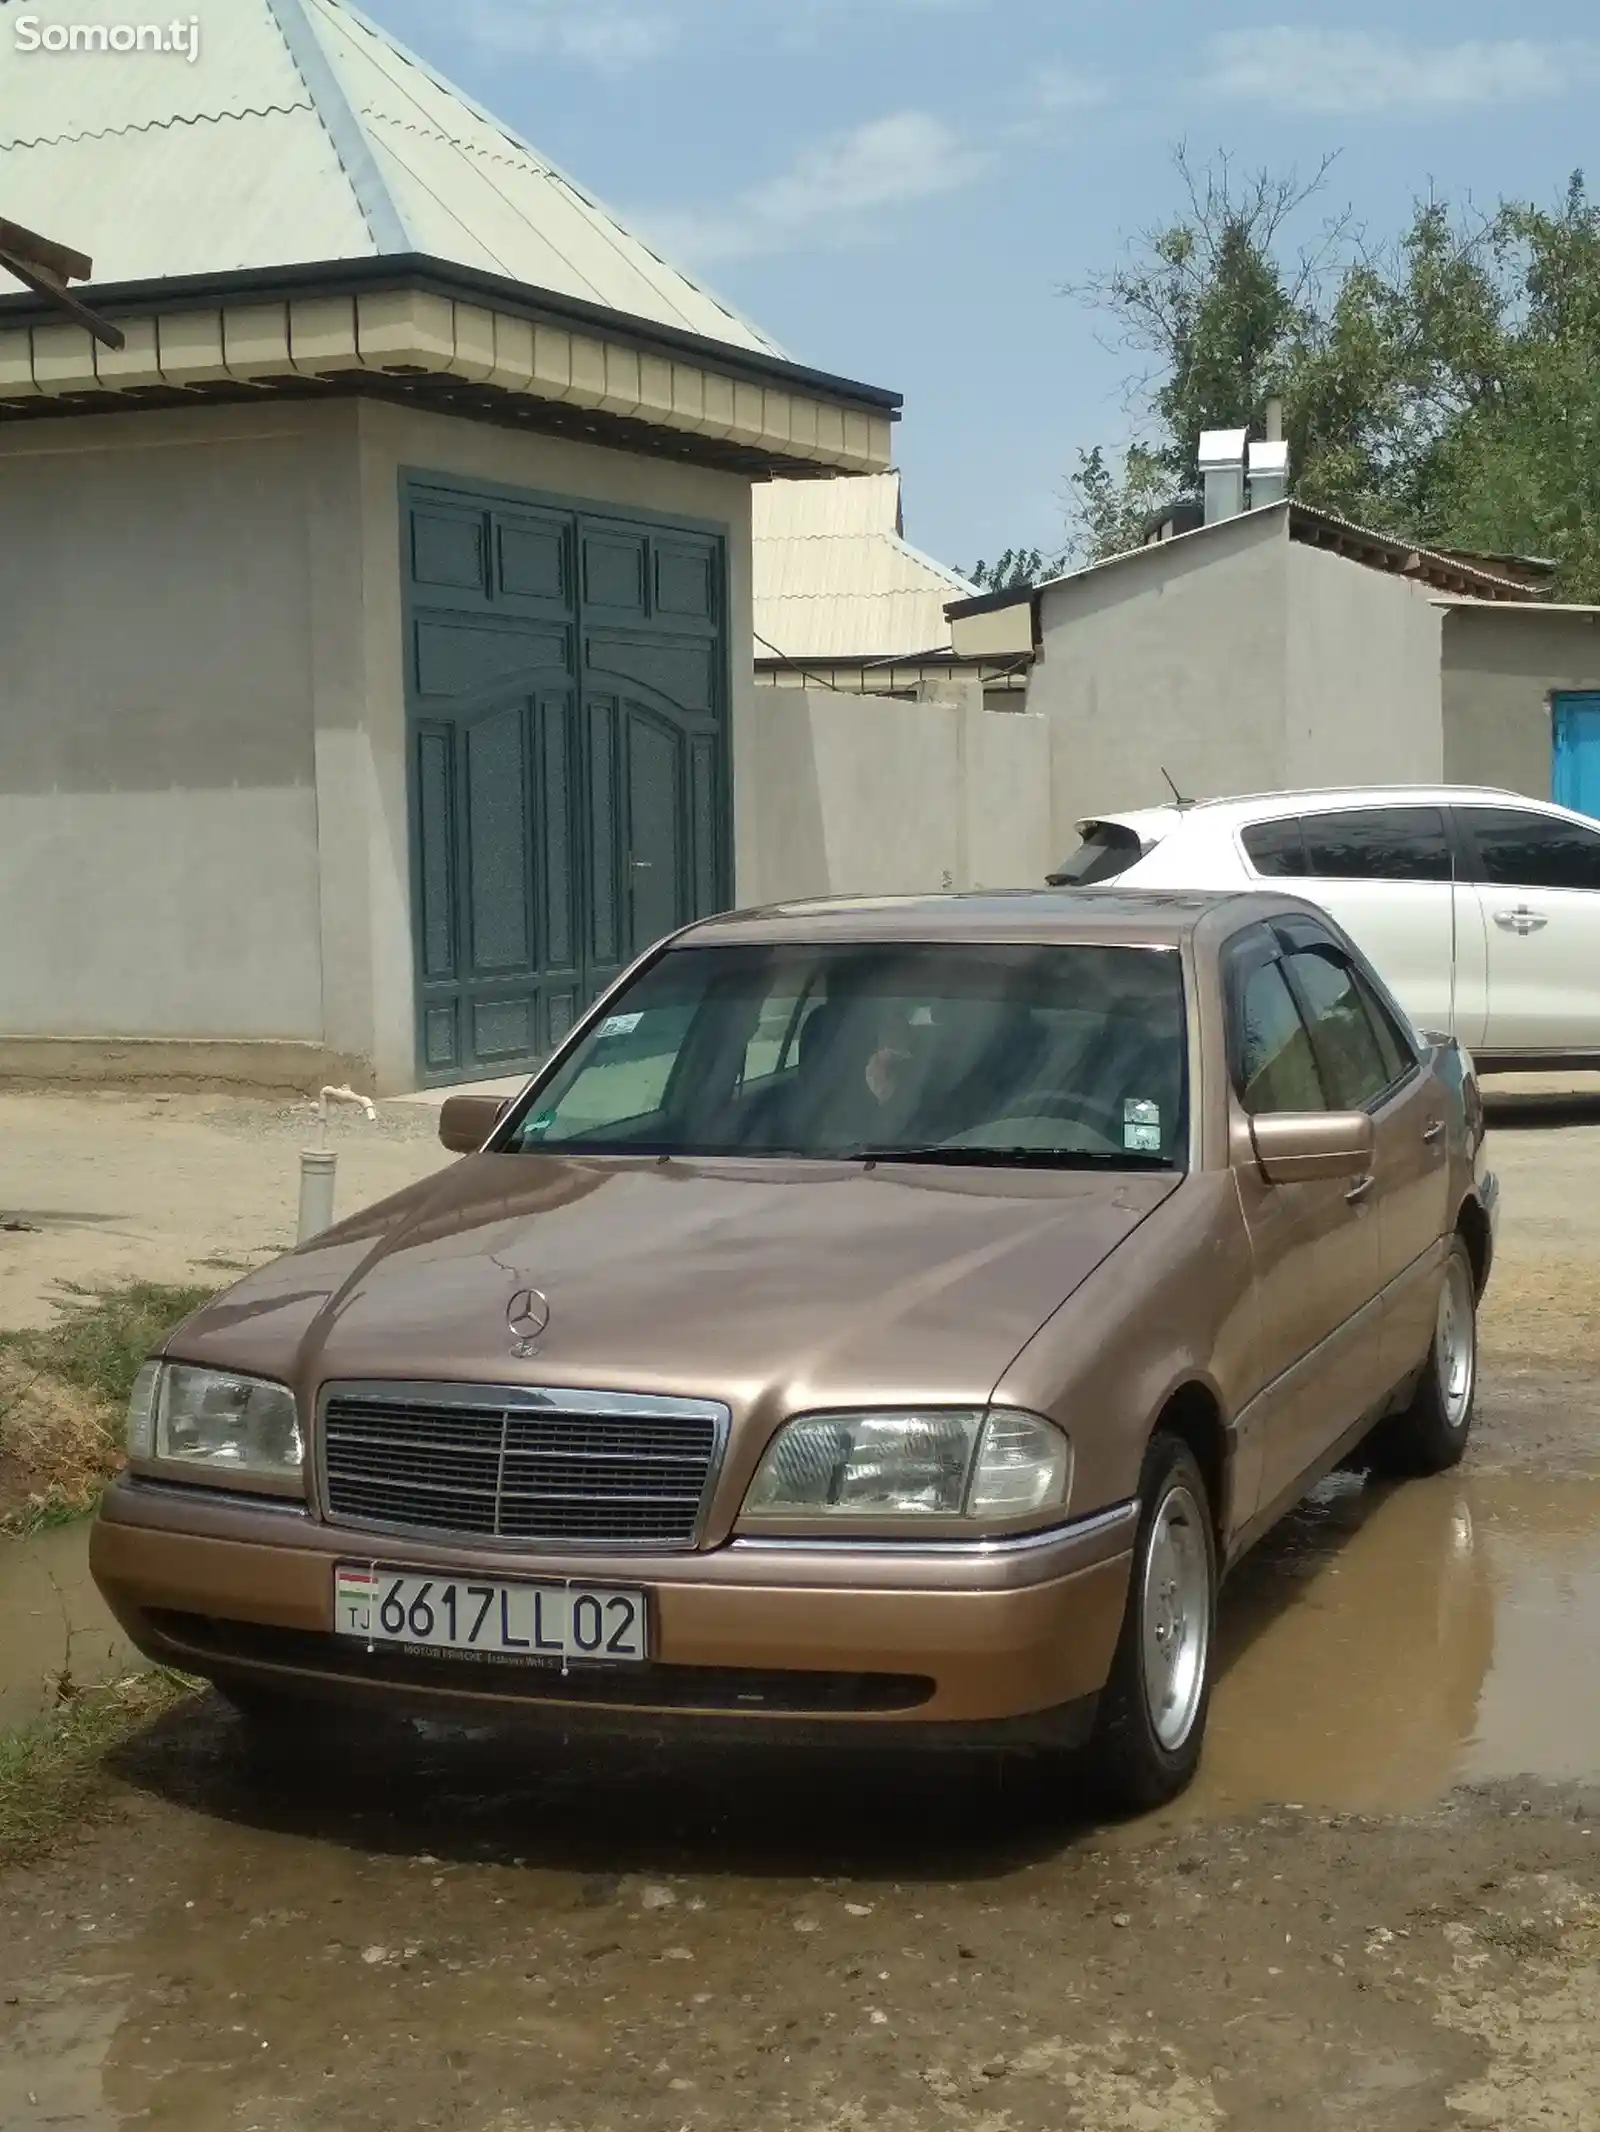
1388	1643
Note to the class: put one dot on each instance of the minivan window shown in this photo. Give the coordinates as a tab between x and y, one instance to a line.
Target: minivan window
1520	850
1106	851
1277	850
1378	844
1354	1064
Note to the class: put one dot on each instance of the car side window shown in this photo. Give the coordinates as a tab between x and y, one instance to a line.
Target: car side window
1378	844
1521	850
1399	1056
1276	850
1354	1066
1274	1066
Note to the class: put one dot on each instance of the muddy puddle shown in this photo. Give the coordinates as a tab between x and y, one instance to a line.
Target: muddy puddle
53	1623
1388	1643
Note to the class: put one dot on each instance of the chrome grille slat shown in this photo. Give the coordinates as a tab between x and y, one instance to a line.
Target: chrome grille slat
529	1467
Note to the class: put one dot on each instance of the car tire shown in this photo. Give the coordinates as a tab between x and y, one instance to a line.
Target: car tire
1431	1435
1150	1726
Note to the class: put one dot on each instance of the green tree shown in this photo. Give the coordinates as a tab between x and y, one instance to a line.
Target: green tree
1446	387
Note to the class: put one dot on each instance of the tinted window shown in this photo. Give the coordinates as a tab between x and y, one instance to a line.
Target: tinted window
1353	1061
1378	844
1395	1045
1050	1056
1105	852
1276	849
1533	850
1276	1068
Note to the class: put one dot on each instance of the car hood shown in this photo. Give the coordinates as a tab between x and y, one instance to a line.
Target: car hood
797	1284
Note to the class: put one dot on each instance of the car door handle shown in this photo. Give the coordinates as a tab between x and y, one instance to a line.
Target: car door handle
1359	1190
1521	920
1434	1132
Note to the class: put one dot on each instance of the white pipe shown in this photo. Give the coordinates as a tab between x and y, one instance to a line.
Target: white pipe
319	1165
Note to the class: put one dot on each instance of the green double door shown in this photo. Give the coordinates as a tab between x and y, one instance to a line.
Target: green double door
566	699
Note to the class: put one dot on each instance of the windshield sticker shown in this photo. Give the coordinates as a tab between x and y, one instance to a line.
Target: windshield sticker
542	1123
1141	1127
621	1025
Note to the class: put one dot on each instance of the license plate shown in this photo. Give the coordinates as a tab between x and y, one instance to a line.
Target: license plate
527	1624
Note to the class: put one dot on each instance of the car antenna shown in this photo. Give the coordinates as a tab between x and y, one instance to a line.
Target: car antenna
1172	788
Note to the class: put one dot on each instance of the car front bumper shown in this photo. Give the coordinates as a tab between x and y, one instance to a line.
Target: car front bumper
1004	1640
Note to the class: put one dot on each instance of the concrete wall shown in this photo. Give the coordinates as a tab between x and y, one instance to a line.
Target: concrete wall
873	796
1174	659
1238	661
158	805
1362	696
1500	668
202	730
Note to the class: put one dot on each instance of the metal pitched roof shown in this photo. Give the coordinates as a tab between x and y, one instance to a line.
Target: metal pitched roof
303	132
834	578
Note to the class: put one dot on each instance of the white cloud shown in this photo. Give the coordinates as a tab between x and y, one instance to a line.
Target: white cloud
597	34
1053	94
1362	72
833	191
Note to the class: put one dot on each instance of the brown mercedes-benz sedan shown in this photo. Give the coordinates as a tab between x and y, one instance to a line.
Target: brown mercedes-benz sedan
885	1317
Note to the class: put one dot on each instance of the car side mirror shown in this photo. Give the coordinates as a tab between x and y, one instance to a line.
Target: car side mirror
1294	1147
465	1122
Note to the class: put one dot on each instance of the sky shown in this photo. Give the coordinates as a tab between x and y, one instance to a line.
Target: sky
900	190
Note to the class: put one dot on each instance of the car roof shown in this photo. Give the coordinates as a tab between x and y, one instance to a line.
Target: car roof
1268	806
1114	917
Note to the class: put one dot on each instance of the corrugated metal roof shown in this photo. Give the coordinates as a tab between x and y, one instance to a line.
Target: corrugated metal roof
158	167
835	579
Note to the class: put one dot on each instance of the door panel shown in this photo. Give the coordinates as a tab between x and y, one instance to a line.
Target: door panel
566	690
657	826
1576	720
1412	1169
1315	1247
1538	891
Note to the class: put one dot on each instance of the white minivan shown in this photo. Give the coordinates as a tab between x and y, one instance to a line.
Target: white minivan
1481	908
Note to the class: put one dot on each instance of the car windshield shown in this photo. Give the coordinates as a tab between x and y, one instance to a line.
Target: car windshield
1034	1056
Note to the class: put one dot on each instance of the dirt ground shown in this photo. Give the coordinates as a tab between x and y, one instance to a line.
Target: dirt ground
1379	1907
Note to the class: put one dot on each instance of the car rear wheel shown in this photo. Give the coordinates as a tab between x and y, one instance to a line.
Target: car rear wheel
1152	1717
1432	1433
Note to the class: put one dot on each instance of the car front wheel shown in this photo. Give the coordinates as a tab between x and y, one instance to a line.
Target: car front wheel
1152	1717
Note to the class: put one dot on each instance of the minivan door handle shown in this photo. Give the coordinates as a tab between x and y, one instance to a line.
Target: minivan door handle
1434	1132
1359	1190
1521	920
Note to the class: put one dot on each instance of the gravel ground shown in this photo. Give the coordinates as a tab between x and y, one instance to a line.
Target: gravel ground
1380	1906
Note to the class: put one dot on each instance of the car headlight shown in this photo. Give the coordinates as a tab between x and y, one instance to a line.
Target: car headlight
987	1465
214	1425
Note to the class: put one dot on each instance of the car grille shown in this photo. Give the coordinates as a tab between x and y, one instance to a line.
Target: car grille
522	1466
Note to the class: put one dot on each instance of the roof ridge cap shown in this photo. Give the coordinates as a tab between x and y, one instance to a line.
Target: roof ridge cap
386	226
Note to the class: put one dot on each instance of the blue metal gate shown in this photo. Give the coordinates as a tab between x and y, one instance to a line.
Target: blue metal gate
1576	721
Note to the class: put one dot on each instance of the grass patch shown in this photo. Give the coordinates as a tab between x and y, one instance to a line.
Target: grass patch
63	1392
52	1773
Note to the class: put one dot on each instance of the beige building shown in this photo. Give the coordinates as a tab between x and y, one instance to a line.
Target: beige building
377	616
1281	647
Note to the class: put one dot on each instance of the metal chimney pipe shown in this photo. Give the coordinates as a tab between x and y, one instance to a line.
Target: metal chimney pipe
1275	420
1222	472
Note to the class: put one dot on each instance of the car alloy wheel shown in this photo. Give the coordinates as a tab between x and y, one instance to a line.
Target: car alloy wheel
1456	1343
1176	1608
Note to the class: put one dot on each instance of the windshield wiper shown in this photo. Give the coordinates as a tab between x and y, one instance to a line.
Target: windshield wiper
1016	1158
